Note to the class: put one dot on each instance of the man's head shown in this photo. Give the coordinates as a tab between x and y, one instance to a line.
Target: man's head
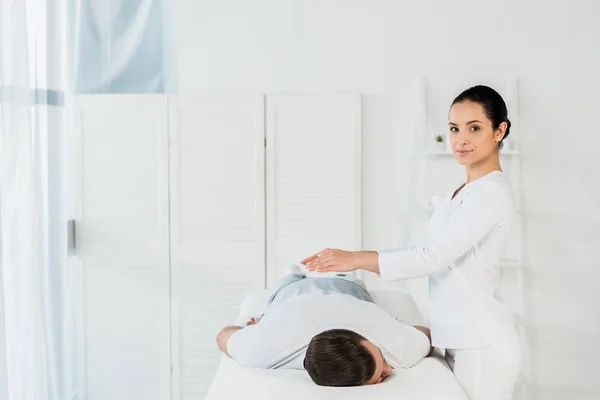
340	357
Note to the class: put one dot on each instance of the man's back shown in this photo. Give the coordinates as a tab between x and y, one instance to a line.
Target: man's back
281	337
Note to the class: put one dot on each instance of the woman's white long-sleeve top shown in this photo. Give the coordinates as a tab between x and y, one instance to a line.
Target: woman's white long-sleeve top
461	254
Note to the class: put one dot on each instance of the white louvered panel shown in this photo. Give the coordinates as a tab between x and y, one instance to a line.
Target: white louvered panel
122	227
217	226
313	176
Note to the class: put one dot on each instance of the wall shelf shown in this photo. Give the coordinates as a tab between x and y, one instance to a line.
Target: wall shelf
430	209
431	153
509	264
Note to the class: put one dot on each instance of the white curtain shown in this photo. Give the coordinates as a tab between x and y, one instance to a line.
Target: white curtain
35	322
124	46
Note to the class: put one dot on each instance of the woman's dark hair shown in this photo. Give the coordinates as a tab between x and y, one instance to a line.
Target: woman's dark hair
338	358
492	103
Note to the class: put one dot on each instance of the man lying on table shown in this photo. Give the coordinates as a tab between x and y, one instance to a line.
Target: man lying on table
330	327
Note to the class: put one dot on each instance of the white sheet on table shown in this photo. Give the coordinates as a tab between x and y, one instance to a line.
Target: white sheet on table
430	379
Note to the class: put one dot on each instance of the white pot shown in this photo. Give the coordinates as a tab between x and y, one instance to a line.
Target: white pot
440	146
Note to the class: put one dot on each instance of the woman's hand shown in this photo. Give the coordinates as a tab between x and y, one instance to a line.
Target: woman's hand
335	260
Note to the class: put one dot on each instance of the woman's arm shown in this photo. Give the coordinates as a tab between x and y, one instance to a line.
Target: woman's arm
342	261
479	213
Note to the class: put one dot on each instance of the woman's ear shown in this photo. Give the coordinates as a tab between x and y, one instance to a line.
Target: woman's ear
499	135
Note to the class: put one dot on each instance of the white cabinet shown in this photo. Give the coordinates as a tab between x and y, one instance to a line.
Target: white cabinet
313	177
217	225
122	213
180	205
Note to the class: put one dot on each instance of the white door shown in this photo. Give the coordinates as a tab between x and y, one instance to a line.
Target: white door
217	225
313	176
122	211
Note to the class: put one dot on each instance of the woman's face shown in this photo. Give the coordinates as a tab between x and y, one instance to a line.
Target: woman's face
472	137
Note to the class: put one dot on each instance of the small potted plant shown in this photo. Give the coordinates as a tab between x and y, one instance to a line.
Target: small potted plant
439	143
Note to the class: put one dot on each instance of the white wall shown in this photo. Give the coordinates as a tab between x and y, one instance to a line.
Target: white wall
378	48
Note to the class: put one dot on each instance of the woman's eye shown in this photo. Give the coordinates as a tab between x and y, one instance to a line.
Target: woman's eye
474	128
453	129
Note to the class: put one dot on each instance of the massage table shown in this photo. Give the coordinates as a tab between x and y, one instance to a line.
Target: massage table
428	380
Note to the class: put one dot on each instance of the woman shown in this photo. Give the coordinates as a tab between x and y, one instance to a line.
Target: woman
461	253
